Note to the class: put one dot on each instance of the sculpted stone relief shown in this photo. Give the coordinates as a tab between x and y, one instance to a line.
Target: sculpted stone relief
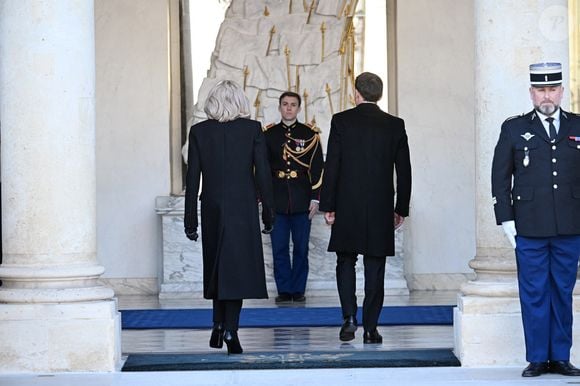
276	45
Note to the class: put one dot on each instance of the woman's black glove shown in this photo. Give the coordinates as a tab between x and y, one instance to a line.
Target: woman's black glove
268	216
191	234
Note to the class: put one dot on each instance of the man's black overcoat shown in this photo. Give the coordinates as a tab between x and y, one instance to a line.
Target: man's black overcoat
232	159
365	147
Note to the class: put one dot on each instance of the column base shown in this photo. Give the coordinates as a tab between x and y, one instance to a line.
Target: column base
49	337
489	332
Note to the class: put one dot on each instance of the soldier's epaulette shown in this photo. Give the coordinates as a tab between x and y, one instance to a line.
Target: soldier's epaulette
513	117
268	126
313	127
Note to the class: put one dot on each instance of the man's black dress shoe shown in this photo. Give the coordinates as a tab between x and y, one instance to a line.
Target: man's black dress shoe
217	336
233	342
299	298
372	337
535	369
283	298
348	328
564	368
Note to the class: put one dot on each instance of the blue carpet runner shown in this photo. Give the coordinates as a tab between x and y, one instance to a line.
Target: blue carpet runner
283	317
295	360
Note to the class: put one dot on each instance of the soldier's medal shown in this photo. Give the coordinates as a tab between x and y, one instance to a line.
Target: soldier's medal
526	160
299	144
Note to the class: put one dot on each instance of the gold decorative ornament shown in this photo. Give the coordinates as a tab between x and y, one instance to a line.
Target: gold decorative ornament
287	53
272	32
328	91
246	73
310	9
305	96
322	31
257	104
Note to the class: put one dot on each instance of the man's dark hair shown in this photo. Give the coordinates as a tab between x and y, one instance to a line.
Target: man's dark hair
370	86
289	94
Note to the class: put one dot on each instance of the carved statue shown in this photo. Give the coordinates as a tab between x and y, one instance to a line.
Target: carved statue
272	46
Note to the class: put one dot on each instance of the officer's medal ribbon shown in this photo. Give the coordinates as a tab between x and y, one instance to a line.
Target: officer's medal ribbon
300	144
527	136
526	160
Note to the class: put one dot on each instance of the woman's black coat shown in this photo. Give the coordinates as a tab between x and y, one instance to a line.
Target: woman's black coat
232	158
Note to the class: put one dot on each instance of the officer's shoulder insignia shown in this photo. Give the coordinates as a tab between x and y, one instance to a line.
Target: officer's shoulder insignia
265	128
313	127
514	117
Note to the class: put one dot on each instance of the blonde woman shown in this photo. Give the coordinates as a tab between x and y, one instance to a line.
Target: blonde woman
229	151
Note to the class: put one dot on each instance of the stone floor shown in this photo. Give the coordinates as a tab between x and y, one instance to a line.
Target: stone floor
289	339
283	338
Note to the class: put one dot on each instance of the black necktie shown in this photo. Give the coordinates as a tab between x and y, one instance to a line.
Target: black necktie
552	128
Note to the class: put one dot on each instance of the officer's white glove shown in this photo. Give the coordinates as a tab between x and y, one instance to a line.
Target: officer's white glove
509	228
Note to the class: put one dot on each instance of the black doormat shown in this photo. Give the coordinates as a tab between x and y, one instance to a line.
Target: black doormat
292	360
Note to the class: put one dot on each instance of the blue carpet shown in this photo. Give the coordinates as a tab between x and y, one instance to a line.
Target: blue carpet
283	317
295	360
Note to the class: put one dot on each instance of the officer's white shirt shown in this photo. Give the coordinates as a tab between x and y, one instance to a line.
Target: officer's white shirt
546	124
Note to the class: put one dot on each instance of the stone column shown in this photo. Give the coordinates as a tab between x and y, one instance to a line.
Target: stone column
54	316
509	37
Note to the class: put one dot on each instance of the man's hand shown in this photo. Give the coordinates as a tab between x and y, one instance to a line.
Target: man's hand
398	220
313	209
191	234
509	228
329	217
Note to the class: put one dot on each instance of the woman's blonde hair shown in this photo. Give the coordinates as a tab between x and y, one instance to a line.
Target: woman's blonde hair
226	102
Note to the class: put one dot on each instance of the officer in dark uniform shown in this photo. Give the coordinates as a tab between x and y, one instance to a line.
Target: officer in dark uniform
295	156
540	214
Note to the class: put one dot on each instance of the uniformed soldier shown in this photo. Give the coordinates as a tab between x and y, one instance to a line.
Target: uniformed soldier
295	156
539	211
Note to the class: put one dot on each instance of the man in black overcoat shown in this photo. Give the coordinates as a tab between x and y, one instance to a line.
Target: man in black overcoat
536	195
366	146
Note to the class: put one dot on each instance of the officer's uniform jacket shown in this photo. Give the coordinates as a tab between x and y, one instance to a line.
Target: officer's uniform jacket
295	156
544	198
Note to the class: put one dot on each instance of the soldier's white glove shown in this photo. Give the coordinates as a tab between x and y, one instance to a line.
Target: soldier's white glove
509	228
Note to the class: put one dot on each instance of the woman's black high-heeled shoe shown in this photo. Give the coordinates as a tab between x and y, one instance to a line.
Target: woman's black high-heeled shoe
217	336
233	342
